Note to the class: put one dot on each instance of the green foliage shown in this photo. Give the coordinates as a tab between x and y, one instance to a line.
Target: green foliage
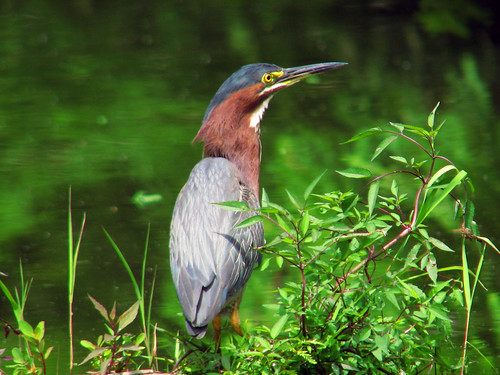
368	295
115	350
30	355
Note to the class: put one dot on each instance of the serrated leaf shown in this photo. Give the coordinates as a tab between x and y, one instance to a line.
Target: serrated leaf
372	196
99	307
250	221
355	172
312	185
440	244
278	326
364	134
233	205
383	145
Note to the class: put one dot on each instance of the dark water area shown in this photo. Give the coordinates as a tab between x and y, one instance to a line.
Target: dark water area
105	98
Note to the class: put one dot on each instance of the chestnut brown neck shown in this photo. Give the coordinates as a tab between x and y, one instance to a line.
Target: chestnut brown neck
227	133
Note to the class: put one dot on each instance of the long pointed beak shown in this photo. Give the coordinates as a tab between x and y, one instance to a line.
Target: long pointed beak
294	75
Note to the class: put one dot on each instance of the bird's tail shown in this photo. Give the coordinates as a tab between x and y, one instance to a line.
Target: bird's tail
197	332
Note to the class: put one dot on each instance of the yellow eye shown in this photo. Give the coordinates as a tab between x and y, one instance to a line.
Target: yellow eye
267	78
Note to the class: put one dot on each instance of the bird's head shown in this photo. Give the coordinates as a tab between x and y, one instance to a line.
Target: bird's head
246	93
231	125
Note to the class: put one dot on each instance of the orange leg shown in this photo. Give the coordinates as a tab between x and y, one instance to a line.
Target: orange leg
216	323
235	318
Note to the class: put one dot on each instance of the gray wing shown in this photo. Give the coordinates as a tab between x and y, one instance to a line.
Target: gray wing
209	259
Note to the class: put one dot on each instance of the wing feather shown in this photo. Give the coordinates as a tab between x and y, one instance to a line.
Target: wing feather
210	260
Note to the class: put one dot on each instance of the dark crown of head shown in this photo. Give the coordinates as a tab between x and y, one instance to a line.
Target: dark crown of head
246	76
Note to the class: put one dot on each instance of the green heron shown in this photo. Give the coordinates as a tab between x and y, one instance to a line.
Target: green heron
211	260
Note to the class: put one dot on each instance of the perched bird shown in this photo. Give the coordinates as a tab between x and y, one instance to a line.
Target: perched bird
210	260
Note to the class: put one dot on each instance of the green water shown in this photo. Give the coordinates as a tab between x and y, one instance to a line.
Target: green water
105	98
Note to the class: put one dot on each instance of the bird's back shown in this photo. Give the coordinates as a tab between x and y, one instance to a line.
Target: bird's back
211	261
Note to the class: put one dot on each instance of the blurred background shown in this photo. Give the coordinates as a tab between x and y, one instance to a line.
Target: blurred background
105	97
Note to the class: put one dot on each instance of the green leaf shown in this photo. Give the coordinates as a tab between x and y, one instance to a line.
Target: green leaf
372	196
382	343
99	307
128	316
339	227
226	363
94	353
382	146
355	172
279	261
439	312
87	344
399	159
431	203
439	173
431	267
312	185
391	297
283	224
265	198
18	355
39	331
395	188
48	351
234	205
398	126
440	244
430	119
469	214
278	326
417	130
465	277
26	329
293	200
304	223
250	221
265	263
366	133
